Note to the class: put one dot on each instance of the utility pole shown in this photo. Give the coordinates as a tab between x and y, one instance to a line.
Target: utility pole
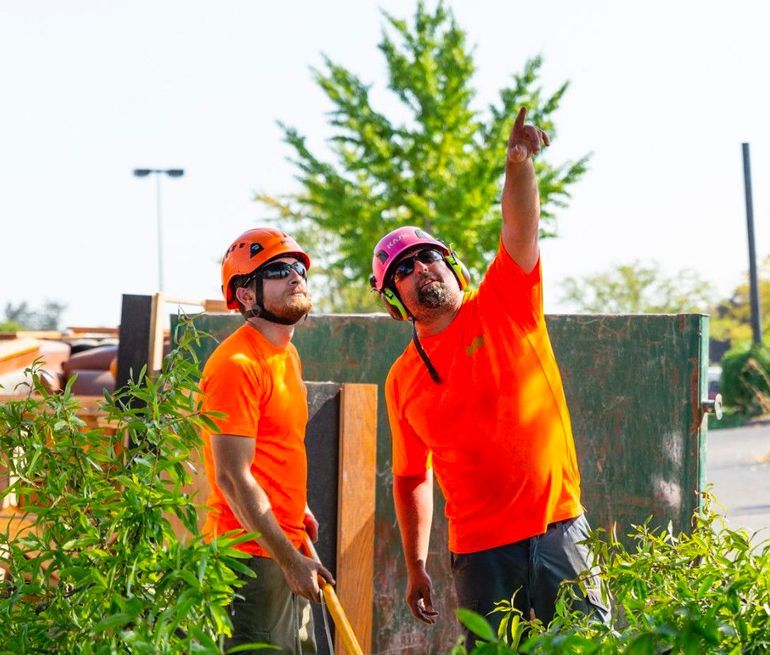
756	328
158	172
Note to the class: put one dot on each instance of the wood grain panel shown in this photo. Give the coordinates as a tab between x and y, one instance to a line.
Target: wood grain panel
356	508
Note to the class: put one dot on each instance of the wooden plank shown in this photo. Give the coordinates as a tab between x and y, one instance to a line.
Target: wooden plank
178	300
18	354
215	306
155	349
356	508
159	312
51	335
79	330
11	349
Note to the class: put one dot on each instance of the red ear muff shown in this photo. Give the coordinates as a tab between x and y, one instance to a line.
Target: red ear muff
459	269
393	304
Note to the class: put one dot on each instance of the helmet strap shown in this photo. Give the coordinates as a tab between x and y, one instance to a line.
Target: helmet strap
424	356
259	311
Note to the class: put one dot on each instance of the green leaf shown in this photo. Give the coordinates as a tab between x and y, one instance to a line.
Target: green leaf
245	648
209	423
642	645
112	622
705	586
477	624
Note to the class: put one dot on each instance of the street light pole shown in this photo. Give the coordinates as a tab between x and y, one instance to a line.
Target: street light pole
158	173
756	327
160	231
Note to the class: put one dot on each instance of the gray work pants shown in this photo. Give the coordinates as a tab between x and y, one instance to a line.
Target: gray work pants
269	612
535	566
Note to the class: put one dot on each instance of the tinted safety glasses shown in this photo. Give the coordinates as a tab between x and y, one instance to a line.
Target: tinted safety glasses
281	270
405	267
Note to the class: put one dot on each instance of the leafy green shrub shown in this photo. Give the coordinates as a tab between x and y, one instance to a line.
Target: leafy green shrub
702	593
101	570
745	382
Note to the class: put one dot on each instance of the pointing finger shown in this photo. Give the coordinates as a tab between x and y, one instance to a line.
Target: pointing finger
519	124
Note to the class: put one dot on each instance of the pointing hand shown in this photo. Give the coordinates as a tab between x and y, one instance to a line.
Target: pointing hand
525	140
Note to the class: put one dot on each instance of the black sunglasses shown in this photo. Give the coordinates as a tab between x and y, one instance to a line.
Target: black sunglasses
405	267
281	270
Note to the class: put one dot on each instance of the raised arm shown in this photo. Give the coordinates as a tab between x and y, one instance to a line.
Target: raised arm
520	199
250	504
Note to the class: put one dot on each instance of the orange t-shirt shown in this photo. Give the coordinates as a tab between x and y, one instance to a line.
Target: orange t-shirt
496	430
258	386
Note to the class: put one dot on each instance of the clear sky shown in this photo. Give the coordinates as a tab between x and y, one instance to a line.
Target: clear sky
663	94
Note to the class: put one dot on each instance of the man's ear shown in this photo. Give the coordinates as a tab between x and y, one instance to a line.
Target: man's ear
245	296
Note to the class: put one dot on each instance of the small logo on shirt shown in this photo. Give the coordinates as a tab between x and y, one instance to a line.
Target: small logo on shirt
475	346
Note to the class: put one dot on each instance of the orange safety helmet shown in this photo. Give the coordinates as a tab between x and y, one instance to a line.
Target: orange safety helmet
253	249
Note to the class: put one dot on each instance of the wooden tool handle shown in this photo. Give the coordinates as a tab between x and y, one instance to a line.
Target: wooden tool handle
341	623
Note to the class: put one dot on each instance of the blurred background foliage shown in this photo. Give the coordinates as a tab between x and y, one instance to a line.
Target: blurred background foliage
23	317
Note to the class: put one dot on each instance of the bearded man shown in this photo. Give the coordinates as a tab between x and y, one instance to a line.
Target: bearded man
477	397
256	464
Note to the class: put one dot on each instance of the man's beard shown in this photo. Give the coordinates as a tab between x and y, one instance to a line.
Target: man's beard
434	295
293	309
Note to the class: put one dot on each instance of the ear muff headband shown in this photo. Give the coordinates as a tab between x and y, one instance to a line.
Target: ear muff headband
459	269
393	304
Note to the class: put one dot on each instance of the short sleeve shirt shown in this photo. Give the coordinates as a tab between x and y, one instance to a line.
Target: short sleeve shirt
258	387
496	430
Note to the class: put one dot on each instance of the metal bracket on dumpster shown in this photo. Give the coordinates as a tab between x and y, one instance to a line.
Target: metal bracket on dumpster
709	406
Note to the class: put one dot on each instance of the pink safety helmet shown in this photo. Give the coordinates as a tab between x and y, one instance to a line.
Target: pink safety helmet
392	245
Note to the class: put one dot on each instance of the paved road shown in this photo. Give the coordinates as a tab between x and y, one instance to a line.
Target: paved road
738	465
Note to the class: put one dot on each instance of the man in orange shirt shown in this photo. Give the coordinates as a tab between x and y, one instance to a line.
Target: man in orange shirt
477	398
256	464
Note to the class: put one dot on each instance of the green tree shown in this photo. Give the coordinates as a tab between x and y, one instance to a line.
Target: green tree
731	317
745	382
24	317
635	288
438	164
10	326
